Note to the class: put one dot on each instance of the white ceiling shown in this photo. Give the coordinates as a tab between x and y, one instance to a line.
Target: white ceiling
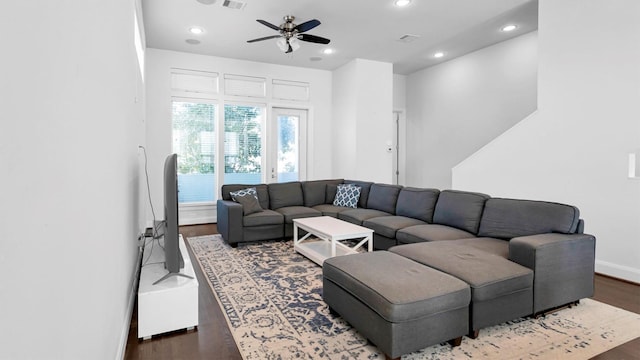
367	29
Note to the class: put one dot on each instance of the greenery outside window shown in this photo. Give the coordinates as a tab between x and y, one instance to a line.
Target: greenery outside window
243	160
194	140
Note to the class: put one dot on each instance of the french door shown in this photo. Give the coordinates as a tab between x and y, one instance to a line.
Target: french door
287	148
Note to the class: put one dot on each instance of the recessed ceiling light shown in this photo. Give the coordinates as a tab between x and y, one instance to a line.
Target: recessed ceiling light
438	55
327	51
206	2
509	27
315	58
192	41
196	30
402	3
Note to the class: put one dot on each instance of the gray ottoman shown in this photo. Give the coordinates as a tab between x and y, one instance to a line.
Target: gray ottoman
398	304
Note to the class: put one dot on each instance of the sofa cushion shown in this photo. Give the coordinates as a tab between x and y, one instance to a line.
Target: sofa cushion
491	245
388	225
430	232
365	186
285	194
417	203
509	218
314	192
460	209
347	195
489	276
265	217
296	212
330	210
261	190
357	216
383	197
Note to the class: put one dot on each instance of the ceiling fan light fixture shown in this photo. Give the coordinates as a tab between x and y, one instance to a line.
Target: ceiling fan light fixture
294	43
282	44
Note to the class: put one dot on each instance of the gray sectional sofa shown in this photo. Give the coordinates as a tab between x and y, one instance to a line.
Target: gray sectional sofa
518	257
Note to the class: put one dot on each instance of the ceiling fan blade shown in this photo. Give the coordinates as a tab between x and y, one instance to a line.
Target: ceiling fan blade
264	38
307	25
313	39
268	24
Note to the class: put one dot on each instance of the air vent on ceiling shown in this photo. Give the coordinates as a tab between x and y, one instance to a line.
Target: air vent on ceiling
408	38
234	4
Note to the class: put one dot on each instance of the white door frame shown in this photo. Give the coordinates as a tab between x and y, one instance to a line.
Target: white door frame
272	141
399	146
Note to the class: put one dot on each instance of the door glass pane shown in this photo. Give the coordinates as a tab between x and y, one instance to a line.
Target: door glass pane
194	142
288	143
242	144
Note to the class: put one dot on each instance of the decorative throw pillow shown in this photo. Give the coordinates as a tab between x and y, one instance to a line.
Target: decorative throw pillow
347	195
248	198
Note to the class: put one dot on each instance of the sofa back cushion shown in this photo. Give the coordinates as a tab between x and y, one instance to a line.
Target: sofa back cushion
509	218
261	189
314	192
383	197
417	203
460	209
285	194
365	186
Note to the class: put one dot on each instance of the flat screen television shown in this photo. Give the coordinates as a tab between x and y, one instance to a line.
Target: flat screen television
173	261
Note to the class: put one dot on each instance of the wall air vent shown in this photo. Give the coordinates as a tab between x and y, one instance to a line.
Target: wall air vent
234	4
408	38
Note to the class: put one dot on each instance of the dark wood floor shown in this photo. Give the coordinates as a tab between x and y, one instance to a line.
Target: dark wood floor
213	340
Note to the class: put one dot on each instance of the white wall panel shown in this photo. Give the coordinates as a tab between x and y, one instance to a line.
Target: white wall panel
249	86
290	90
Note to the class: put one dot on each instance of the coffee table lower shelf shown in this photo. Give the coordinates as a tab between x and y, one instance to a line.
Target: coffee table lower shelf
319	250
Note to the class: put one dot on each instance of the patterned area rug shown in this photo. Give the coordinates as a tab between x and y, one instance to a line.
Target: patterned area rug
272	299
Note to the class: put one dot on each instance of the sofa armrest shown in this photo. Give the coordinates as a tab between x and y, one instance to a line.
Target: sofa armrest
563	266
230	221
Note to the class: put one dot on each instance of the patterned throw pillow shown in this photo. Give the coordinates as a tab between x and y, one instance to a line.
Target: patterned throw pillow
347	195
248	198
244	192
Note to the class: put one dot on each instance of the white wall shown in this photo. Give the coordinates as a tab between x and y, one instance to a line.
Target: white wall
574	149
362	120
70	194
455	108
399	92
158	92
345	130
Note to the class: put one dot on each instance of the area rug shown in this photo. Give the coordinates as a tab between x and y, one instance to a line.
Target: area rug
272	301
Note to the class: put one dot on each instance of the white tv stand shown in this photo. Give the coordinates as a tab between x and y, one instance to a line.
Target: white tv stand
171	304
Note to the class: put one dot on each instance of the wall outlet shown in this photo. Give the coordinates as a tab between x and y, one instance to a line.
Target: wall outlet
148	232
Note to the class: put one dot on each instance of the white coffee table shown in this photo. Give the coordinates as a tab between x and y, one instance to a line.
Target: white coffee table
324	236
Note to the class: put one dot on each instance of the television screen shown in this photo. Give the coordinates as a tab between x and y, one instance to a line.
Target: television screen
173	258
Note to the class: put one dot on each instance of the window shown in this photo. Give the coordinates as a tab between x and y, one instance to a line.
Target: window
194	140
243	144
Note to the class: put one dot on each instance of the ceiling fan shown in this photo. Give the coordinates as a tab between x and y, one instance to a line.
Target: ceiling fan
290	33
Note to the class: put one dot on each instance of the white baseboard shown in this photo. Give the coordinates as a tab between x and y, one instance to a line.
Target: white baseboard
126	323
618	271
